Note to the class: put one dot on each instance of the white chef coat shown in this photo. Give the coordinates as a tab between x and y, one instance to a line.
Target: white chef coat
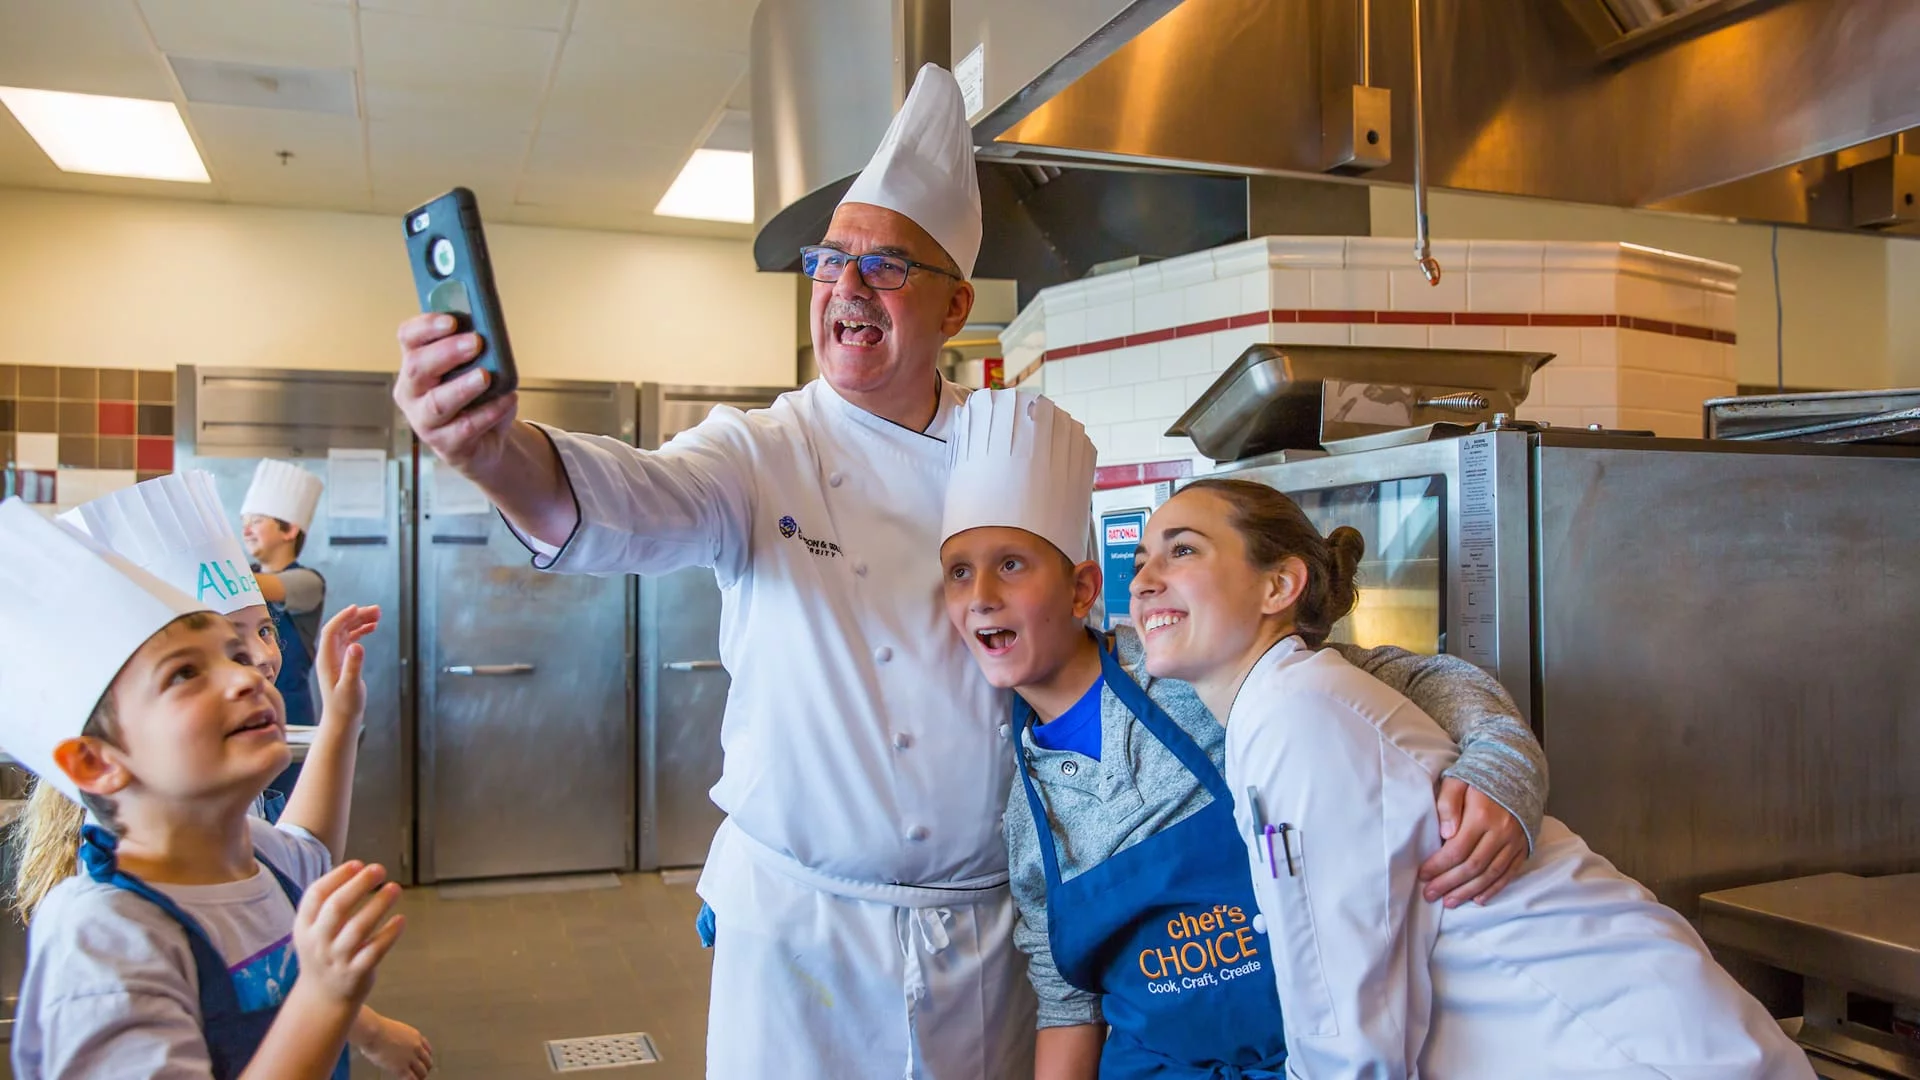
863	748
1575	970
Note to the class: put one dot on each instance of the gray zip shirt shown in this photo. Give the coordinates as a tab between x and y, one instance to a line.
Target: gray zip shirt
1138	788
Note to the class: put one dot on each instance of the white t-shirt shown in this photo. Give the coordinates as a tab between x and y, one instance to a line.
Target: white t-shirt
110	988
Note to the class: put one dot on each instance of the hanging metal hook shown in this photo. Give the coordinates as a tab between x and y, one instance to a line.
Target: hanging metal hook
1422	246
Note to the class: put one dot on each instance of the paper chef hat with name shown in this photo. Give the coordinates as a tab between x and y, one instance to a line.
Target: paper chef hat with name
283	490
1018	461
74	613
924	170
174	527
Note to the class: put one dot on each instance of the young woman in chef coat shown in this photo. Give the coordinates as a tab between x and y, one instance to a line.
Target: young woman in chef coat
1577	972
175	527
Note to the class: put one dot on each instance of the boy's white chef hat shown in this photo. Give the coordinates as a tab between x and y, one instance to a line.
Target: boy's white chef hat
1018	460
283	490
74	613
924	170
174	527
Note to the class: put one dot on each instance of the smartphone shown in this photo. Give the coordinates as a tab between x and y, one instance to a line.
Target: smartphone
453	274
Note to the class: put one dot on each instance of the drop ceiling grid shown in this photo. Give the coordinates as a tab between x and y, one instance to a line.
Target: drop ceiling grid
573	112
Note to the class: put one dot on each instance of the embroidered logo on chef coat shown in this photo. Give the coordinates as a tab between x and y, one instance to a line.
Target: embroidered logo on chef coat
826	549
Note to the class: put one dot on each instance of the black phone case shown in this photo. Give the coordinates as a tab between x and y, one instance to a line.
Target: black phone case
453	274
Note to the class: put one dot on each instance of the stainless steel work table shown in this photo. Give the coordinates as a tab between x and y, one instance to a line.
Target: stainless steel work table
1842	934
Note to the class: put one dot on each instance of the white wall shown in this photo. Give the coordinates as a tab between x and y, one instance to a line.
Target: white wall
116	282
1850	298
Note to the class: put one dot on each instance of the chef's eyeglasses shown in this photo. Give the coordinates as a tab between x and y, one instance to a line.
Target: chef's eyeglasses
886	272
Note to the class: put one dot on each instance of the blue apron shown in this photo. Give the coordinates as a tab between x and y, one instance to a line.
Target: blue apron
296	663
232	1036
1163	930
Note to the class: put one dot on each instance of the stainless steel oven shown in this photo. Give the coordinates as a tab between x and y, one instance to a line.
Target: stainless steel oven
1715	641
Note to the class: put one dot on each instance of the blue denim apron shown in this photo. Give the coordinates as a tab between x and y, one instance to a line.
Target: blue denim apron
1163	930
233	1036
296	664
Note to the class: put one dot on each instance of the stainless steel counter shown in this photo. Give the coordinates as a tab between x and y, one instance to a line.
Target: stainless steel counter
1861	932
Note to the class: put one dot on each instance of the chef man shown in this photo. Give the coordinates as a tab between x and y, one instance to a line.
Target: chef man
860	877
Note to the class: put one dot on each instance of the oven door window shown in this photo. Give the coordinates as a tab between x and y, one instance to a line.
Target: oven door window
1402	592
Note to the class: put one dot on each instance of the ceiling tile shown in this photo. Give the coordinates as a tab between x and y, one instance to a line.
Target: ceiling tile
698	25
82	46
639	94
421	65
415	160
294	33
241	147
525	14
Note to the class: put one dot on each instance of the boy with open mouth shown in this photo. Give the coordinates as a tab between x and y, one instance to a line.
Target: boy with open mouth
1136	904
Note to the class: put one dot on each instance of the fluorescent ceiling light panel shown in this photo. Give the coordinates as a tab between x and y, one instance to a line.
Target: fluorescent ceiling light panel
714	185
109	136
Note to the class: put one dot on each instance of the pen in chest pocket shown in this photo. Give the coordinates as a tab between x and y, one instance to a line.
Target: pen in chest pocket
1264	833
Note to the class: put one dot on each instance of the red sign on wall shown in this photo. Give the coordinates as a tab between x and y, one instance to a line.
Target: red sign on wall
996	373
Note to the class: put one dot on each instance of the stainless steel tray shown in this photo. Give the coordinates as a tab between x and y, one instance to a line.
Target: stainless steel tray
1299	397
1852	416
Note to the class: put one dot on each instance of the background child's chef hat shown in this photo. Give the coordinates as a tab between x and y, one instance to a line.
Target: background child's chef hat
283	490
924	168
74	613
174	527
1017	460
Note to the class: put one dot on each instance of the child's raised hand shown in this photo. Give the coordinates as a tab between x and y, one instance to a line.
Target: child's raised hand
342	931
398	1049
338	659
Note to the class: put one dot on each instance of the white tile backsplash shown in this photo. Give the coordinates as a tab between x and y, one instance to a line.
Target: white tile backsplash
1575	386
1218	299
1229	344
1110	320
1135	440
1067	328
1409	291
1505	290
1290	290
1196	385
1078	406
32	450
1163	399
1468	337
1506	254
1722	310
1082	373
1304	252
1246	257
1351	290
1186	356
1648	298
1562	342
1578	255
1135	364
1113	405
1600	347
1391	335
1256	293
1378	252
1312	334
1159	311
1184	270
1550	414
1578	292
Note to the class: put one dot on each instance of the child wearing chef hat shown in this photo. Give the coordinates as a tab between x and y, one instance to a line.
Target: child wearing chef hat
175	528
1125	772
274	518
188	946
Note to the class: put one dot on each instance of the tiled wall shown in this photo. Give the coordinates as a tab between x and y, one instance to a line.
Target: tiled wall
1640	337
71	434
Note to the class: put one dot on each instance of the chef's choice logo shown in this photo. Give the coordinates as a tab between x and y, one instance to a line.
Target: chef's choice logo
223	580
826	549
1201	950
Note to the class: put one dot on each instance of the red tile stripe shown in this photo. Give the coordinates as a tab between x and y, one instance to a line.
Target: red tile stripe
1152	472
1387	318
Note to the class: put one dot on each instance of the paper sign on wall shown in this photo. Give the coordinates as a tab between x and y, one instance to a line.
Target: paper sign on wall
356	496
1119	538
971	74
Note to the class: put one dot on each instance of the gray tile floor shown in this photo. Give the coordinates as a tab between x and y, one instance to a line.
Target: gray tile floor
490	980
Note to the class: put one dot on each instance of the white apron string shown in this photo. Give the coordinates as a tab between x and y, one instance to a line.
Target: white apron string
919	930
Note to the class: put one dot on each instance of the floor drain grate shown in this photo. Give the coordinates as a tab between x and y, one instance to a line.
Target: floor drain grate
602	1052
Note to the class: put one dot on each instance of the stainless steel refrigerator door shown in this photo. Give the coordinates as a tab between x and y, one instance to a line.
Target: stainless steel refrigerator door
526	732
683	688
226	420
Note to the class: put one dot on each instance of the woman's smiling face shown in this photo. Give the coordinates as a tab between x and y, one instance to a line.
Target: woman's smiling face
1198	600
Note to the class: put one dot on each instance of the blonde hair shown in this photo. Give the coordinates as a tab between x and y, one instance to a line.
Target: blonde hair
46	842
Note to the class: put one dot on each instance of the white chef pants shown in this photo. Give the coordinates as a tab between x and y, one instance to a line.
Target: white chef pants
809	985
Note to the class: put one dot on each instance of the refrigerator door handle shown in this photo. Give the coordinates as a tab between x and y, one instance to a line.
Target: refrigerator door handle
489	669
692	665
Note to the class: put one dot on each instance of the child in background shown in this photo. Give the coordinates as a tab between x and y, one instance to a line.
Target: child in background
175	527
1136	907
274	518
187	948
